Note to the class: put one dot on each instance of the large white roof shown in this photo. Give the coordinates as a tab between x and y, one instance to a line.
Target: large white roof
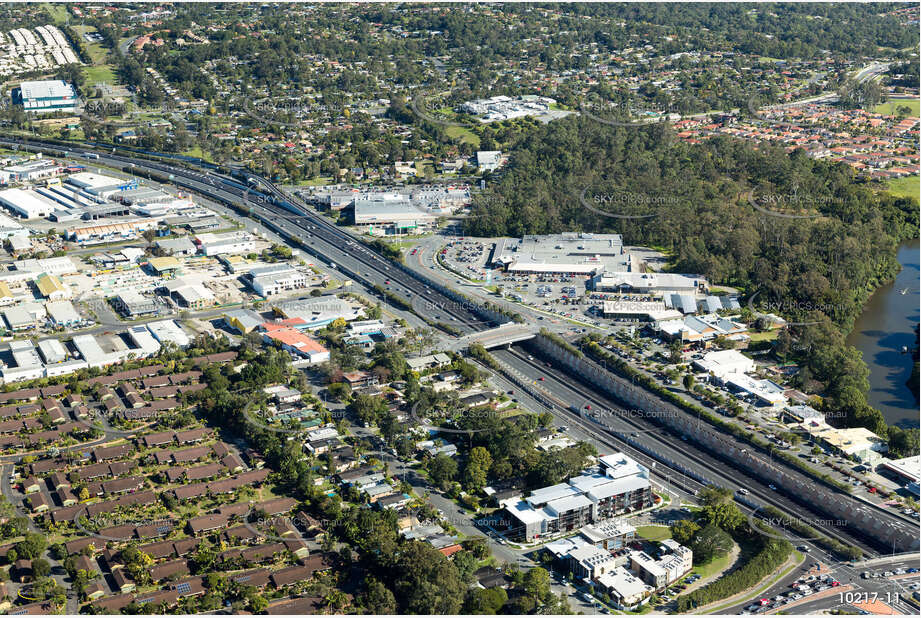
725	362
623	583
569	503
553	492
47	89
525	514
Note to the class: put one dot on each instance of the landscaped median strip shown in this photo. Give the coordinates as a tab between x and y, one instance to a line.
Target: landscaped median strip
797	559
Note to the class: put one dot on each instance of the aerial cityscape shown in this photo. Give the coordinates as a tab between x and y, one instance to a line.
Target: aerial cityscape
460	308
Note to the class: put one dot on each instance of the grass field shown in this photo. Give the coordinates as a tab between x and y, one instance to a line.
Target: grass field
768	335
97	52
99	74
316	182
464	134
904	187
425	168
714	566
197	152
654	533
57	12
892	105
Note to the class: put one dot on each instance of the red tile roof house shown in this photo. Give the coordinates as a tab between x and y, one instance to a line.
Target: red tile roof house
191	436
302	606
23	570
260	553
208	471
191	454
39	608
296	342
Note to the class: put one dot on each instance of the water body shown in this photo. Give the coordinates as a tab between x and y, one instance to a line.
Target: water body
882	330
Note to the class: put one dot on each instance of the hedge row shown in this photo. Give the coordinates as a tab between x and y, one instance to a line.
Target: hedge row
399	301
842	550
560	342
772	554
479	352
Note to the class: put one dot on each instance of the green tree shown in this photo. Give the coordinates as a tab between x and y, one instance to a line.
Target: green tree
478	464
709	543
477	545
32	546
674	351
684	530
41	567
537	583
425	581
713	495
377	598
724	515
485	601
442	470
465	563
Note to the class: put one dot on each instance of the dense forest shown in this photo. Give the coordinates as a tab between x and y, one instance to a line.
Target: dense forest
722	209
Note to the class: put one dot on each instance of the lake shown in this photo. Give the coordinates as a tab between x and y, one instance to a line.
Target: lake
882	330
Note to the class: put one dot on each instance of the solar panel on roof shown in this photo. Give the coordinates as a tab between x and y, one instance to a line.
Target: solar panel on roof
183	587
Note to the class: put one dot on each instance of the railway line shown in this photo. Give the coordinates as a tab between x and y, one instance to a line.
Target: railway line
561	387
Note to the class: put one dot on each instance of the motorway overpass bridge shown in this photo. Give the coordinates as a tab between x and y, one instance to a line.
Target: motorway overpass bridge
503	335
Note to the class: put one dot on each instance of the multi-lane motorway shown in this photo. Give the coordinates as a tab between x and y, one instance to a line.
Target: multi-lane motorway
312	232
316	235
654	439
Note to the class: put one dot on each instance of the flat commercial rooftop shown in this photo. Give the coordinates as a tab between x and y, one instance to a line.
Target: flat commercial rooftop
525	514
89	180
554	492
562	253
389	211
908	467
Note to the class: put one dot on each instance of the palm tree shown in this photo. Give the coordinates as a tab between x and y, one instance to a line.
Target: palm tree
335	598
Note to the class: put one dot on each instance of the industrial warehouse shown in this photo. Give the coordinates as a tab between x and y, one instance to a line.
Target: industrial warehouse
45	97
